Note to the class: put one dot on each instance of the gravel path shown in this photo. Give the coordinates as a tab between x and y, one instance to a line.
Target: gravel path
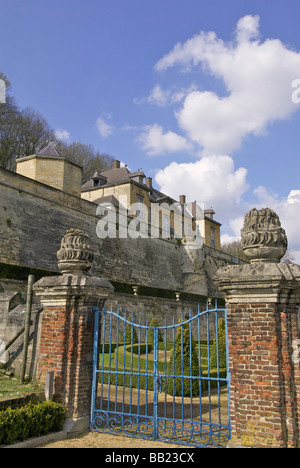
97	440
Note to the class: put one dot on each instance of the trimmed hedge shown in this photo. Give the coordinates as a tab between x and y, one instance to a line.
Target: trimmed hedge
32	420
132	357
154	323
219	359
183	361
131	334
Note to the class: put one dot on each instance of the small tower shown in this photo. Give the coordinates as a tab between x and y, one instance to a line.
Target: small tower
49	166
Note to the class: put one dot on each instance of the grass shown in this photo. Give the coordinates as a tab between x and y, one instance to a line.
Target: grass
10	386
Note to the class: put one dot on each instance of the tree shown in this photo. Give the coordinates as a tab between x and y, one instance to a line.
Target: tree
183	362
219	358
33	132
9	113
131	334
22	133
235	249
154	323
288	257
25	132
87	156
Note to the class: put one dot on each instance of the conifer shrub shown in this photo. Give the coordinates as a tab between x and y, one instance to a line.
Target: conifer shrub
154	323
184	364
130	330
221	354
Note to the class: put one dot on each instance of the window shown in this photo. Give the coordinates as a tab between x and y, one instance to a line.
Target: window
140	206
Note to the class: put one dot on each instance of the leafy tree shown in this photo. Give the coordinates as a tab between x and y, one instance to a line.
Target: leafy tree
183	362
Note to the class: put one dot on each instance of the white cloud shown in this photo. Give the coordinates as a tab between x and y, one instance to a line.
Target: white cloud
228	239
235	225
247	28
103	127
212	181
163	97
154	141
62	134
257	75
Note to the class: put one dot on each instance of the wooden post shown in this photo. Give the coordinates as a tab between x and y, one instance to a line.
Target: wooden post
27	326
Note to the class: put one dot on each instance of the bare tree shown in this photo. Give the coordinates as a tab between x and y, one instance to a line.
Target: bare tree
9	113
22	133
235	249
87	156
25	132
289	257
33	132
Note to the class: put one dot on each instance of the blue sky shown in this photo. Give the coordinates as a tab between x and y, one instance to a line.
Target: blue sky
197	93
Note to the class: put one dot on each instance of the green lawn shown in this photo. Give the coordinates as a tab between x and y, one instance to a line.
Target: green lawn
10	386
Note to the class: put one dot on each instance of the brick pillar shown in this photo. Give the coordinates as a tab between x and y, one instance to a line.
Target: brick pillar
66	342
263	301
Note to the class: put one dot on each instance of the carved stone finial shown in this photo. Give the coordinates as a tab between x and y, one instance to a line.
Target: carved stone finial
263	238
75	256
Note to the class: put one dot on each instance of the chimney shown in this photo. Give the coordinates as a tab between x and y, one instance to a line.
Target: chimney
116	164
148	182
209	213
182	199
194	210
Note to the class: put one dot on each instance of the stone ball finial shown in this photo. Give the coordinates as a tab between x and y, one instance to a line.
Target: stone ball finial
263	238
75	256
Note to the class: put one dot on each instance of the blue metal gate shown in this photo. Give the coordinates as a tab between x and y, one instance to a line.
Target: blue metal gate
167	382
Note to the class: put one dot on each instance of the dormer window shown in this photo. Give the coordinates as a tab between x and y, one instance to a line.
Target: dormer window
138	176
98	180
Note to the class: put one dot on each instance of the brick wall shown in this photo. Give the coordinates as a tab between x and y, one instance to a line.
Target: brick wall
265	385
66	348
